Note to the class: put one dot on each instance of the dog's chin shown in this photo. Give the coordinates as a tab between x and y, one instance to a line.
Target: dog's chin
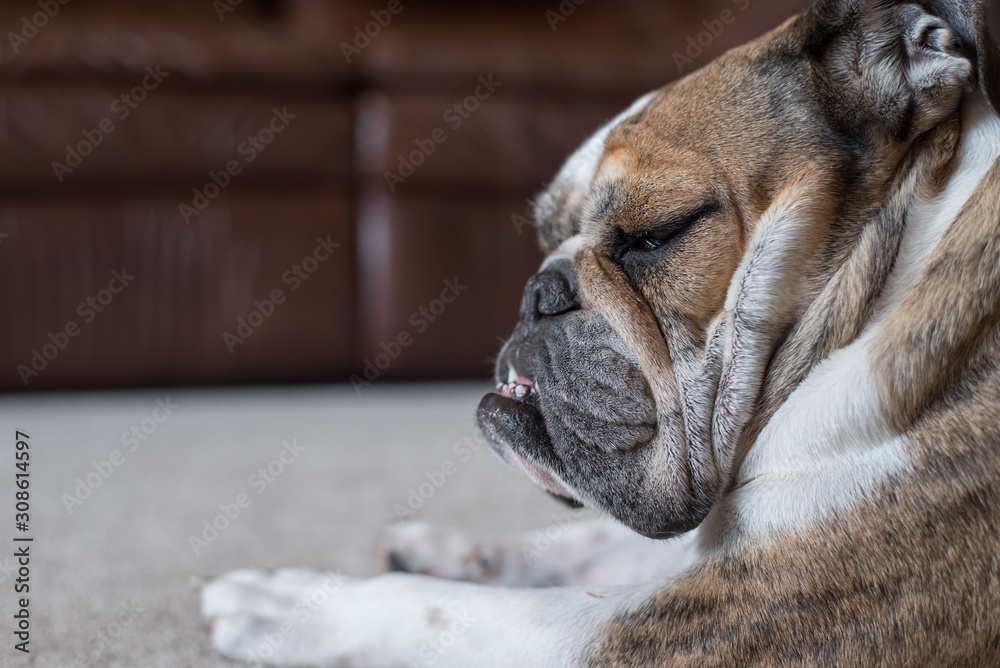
537	474
512	422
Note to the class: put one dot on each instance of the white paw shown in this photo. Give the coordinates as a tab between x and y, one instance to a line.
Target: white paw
416	547
289	617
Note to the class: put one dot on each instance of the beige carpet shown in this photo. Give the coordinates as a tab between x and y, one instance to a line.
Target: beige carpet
112	574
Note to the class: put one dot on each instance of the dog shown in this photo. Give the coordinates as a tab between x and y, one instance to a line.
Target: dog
768	322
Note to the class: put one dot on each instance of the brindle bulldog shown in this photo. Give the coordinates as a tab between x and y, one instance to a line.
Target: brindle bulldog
769	320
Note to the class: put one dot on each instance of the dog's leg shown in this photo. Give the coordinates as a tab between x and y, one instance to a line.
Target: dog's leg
303	618
588	552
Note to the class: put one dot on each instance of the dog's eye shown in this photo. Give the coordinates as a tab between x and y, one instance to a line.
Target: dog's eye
653	240
663	233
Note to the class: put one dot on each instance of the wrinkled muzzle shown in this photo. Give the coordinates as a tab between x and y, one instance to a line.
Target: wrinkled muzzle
574	410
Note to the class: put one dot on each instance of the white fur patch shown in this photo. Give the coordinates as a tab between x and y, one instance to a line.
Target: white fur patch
830	443
579	170
572	553
317	620
566	251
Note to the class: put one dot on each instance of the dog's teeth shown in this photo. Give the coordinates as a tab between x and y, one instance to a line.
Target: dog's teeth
517	386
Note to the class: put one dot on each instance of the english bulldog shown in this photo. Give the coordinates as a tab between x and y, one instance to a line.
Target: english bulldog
769	323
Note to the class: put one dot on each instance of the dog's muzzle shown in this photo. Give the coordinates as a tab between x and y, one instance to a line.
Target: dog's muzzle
512	418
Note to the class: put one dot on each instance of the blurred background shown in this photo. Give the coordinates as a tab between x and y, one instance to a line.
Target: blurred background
255	191
226	220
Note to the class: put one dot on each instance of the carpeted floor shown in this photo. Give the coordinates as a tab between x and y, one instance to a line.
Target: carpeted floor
112	575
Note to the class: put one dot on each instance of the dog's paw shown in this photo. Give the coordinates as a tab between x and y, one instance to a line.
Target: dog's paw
288	617
416	547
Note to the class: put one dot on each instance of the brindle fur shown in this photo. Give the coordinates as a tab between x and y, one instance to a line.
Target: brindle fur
818	108
911	578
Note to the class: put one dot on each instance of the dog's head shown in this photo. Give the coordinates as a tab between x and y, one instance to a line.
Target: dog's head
687	240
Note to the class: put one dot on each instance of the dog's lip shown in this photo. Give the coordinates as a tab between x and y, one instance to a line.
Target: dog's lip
536	473
515	428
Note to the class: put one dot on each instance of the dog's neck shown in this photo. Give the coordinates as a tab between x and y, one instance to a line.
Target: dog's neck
831	441
928	218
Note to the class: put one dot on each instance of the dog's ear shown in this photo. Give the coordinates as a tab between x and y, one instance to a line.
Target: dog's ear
969	19
899	67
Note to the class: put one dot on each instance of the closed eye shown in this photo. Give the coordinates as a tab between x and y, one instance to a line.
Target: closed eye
653	240
662	233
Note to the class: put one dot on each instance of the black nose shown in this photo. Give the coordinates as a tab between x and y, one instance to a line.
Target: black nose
553	291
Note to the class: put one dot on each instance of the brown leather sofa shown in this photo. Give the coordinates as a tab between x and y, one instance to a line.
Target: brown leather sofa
277	213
